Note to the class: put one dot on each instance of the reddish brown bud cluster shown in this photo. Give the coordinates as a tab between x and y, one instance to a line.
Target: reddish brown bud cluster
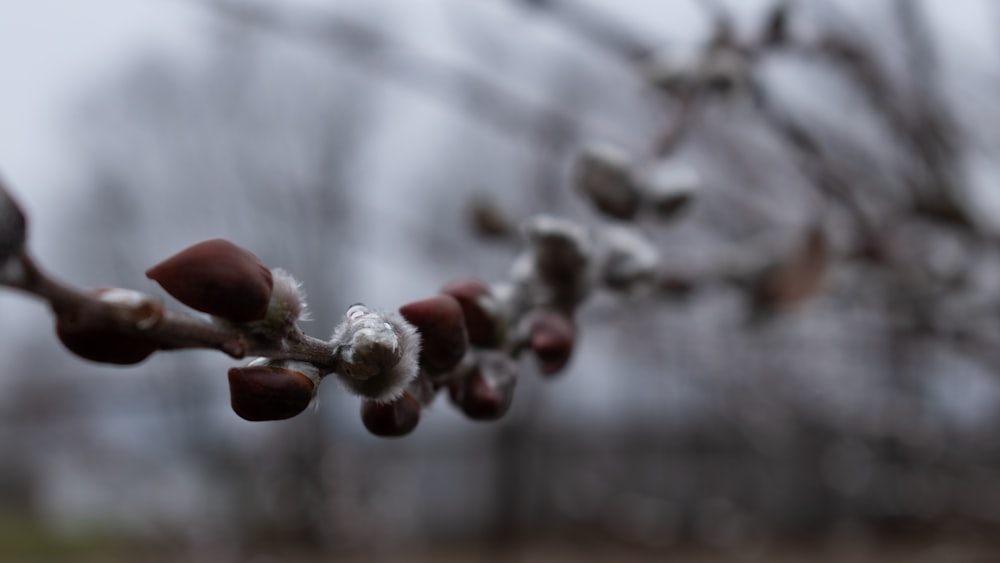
219	278
269	392
466	315
444	342
480	382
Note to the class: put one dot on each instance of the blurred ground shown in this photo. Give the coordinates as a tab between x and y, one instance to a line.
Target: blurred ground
908	551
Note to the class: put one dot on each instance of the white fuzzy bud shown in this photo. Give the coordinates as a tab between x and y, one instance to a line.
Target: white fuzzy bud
629	261
558	244
379	353
556	266
666	186
603	176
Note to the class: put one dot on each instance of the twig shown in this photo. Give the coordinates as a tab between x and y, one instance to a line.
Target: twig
168	330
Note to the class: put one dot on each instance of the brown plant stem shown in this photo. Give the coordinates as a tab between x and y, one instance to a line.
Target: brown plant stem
167	329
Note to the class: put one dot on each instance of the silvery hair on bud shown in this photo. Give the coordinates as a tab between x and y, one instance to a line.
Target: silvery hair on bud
379	353
288	299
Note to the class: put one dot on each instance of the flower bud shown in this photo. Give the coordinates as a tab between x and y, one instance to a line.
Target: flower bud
390	420
219	278
629	261
13	227
602	175
488	220
486	392
556	265
287	306
484	319
667	186
103	344
551	337
379	353
272	389
109	343
442	330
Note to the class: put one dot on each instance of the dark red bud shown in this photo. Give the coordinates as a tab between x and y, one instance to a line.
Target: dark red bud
551	337
390	420
479	397
269	392
479	308
219	278
102	339
103	344
444	339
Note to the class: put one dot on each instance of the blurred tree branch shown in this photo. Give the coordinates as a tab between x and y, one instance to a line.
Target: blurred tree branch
479	96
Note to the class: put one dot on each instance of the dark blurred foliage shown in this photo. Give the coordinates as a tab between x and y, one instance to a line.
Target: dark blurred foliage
817	366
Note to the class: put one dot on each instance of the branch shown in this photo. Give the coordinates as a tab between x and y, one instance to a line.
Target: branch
128	312
592	25
467	340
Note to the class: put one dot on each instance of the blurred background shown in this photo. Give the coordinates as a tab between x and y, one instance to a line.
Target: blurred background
814	378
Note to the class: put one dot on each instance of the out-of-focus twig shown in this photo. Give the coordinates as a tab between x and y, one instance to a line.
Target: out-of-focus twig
475	93
591	24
